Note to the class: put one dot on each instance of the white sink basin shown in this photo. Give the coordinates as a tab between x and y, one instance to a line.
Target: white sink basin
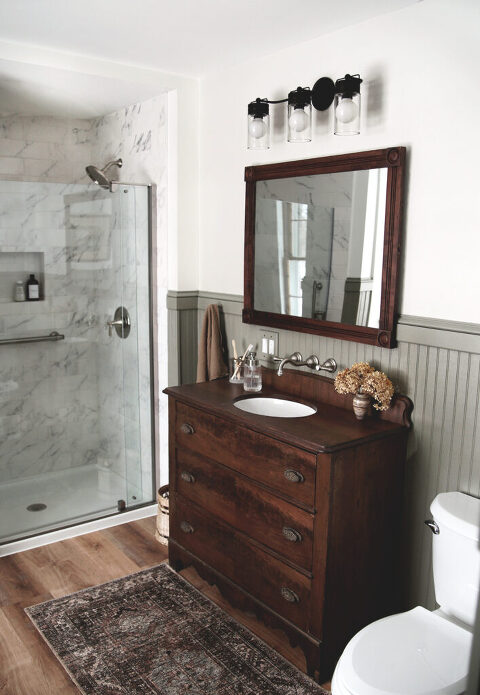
274	407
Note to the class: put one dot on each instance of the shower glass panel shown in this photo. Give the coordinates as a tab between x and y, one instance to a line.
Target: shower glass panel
75	412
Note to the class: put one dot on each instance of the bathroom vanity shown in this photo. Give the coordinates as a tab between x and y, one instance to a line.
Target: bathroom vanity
296	519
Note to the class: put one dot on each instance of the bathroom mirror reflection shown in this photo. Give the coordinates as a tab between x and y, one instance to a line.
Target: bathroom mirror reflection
319	246
322	242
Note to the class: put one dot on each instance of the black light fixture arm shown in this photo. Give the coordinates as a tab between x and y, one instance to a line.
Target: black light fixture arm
345	92
269	101
322	92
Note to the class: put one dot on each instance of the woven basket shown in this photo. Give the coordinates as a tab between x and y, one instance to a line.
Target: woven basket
161	531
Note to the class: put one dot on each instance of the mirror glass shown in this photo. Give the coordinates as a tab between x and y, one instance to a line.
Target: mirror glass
319	243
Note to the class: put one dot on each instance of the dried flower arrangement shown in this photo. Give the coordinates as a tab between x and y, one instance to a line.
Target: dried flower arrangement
362	378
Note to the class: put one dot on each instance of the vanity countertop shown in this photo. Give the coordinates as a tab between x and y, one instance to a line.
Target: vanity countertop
332	427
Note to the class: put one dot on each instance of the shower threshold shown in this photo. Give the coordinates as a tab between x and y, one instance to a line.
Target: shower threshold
66	498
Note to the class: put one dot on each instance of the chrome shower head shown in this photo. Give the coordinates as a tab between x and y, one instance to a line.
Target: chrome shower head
99	176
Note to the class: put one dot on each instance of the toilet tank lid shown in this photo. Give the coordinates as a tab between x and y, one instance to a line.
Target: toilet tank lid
459	512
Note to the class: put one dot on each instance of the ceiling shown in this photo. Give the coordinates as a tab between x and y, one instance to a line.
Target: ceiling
188	37
182	37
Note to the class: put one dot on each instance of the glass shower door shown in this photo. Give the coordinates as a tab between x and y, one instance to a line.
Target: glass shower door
75	412
125	350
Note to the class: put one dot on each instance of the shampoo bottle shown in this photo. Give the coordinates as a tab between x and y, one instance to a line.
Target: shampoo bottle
33	289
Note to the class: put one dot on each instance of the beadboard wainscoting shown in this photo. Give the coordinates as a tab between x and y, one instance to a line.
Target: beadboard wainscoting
436	363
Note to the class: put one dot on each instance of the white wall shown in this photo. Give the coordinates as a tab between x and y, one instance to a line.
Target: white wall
420	68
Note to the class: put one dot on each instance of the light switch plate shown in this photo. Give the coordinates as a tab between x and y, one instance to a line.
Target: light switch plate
268	341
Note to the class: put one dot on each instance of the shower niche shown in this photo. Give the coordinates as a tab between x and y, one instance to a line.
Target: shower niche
18	264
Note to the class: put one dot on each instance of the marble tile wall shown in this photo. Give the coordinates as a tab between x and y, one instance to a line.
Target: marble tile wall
138	134
48	395
59	402
44	148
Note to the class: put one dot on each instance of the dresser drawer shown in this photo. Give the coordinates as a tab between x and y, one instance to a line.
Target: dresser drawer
282	467
271	581
258	513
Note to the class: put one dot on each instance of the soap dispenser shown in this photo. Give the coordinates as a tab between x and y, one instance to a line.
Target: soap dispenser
252	375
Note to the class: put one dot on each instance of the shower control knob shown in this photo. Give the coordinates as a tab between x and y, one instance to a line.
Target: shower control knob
121	322
111	324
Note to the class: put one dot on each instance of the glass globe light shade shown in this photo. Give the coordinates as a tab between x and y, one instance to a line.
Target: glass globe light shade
347	110
299	120
257	128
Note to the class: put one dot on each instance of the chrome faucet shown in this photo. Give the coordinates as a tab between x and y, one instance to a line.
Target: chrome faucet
313	362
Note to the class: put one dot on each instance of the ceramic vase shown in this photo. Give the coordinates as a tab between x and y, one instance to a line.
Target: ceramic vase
361	405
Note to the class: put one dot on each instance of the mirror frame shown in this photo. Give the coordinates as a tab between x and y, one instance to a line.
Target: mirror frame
392	158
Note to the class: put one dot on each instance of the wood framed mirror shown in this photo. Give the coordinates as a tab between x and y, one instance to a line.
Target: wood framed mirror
322	245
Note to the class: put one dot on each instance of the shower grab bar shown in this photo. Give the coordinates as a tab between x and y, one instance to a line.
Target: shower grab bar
33	339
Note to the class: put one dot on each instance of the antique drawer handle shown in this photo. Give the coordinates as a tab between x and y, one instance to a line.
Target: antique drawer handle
187	428
187	477
186	527
289	595
291	534
293	476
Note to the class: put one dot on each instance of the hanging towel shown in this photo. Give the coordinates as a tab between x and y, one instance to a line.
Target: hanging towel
211	361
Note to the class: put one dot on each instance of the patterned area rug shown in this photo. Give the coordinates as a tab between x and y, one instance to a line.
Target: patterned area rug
152	632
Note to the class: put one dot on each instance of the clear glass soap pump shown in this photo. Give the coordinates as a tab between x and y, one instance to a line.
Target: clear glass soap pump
252	375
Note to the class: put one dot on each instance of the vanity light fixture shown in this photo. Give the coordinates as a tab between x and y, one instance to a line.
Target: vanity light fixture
345	91
347	105
259	125
300	115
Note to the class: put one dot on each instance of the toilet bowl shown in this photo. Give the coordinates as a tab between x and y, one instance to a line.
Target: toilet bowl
409	653
423	652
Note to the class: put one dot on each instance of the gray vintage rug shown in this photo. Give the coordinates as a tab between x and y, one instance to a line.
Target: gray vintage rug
152	632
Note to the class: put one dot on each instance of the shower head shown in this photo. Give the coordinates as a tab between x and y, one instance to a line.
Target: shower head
99	176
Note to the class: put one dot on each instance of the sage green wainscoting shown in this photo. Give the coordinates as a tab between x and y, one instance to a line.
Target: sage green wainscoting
436	363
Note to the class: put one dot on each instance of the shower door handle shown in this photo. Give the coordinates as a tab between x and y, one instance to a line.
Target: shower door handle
121	322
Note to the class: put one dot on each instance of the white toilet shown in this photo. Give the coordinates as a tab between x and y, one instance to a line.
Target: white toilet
423	652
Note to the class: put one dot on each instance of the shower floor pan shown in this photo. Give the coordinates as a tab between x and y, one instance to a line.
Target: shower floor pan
65	497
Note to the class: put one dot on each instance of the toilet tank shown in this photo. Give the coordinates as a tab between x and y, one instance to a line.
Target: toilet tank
456	554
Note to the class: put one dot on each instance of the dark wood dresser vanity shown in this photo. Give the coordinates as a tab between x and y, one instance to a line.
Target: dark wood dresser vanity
298	520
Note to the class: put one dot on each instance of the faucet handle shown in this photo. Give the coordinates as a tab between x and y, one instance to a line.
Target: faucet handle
312	362
329	365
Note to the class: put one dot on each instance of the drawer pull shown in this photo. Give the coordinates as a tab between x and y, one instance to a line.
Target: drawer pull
289	595
293	476
292	534
187	477
186	527
187	428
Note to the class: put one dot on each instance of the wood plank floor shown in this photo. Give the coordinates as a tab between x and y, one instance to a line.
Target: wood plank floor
27	666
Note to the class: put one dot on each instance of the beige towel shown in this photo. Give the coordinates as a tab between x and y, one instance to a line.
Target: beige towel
211	361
